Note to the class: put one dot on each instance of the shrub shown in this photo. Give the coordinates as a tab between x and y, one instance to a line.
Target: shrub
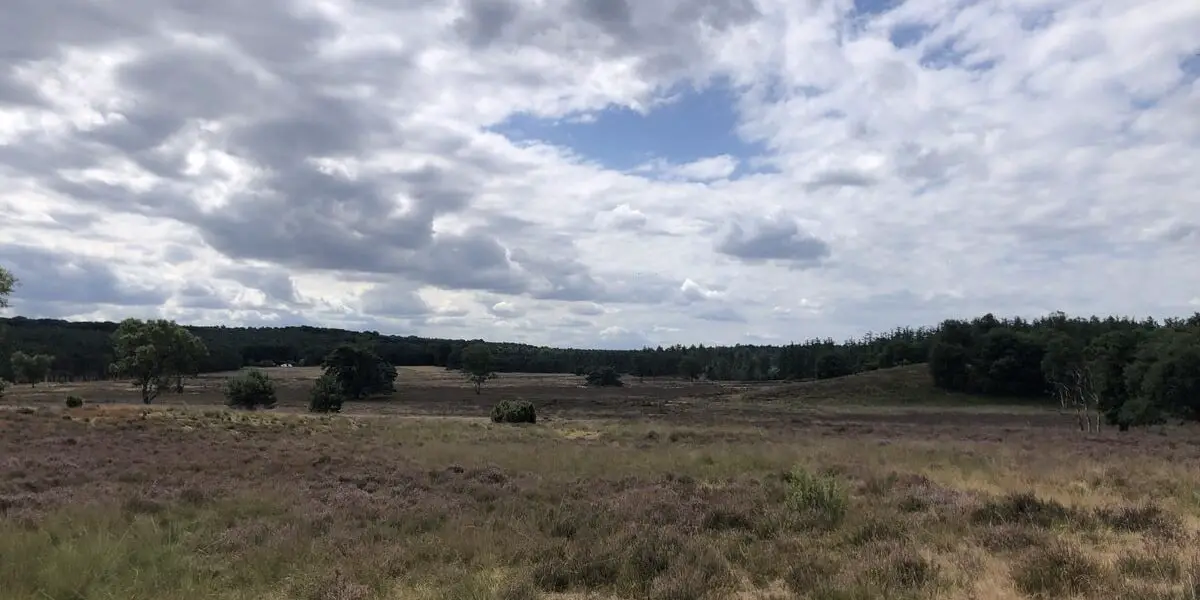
1025	508
1057	571
74	401
326	395
514	411
250	390
606	377
820	496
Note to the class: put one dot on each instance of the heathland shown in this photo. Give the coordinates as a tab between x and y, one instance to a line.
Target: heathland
874	485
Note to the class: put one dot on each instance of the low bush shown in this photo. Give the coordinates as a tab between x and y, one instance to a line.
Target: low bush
74	401
1058	571
326	395
1025	508
250	390
817	496
514	411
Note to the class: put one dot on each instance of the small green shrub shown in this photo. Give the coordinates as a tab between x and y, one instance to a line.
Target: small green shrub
821	496
74	401
250	390
514	411
326	395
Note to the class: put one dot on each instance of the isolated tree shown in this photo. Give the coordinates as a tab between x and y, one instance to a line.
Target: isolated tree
477	364
31	368
359	372
155	354
690	367
7	282
605	377
250	390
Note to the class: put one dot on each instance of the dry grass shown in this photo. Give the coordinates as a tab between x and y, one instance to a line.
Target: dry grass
663	490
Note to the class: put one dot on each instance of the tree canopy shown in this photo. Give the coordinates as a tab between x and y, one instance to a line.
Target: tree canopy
156	354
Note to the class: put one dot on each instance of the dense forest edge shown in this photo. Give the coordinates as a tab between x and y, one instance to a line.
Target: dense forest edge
1128	371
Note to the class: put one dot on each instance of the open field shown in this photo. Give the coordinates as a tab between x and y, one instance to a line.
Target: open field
865	487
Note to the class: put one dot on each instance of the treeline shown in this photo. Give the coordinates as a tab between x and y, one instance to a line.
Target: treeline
1130	372
84	350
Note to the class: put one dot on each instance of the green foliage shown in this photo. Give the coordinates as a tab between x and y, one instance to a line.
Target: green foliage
818	497
7	283
359	372
1166	373
250	390
155	354
31	369
1132	372
74	401
479	364
326	395
605	377
514	411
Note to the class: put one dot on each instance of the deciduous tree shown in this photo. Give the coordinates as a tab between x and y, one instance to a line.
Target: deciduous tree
359	372
31	368
478	364
156	354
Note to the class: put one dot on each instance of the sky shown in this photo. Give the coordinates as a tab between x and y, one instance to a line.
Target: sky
602	173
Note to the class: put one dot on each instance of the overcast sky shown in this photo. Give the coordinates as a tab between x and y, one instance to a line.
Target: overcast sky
600	172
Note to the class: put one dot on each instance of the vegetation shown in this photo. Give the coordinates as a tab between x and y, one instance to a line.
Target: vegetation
749	503
326	395
1124	371
514	411
604	377
74	401
156	354
31	369
359	373
477	363
7	283
250	390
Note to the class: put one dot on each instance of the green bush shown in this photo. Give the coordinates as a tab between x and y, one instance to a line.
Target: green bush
514	411
326	395
821	497
250	390
74	401
605	377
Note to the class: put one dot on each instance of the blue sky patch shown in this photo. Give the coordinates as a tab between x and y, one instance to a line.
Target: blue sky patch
694	125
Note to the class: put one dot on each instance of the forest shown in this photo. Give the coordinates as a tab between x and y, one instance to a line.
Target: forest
1129	370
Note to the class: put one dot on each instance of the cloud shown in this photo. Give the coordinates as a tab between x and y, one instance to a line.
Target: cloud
341	164
704	169
49	277
777	238
506	310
